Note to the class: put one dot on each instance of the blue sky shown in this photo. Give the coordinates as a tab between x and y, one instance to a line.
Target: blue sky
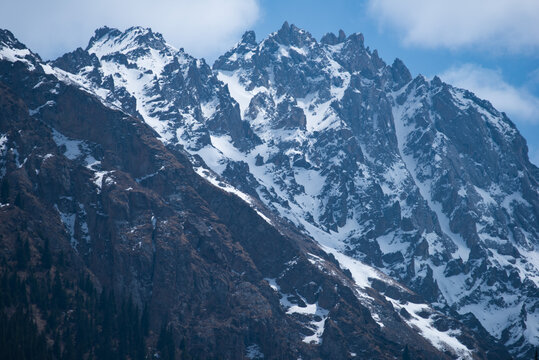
491	49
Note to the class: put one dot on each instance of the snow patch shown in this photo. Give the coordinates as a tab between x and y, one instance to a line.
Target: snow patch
237	90
38	109
68	219
315	312
72	147
14	55
444	341
254	352
99	176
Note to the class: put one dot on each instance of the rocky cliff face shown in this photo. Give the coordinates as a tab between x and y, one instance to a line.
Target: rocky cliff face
422	180
205	209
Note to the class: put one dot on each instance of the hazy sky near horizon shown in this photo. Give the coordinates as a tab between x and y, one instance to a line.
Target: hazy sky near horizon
491	50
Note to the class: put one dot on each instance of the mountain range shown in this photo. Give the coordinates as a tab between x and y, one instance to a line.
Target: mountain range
300	198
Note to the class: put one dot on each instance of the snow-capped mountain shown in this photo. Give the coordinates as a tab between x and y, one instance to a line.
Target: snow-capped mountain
174	93
106	212
424	181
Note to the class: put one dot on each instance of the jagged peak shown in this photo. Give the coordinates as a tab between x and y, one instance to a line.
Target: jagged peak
246	44
356	39
7	39
145	32
13	50
400	73
6	36
101	32
342	35
73	61
418	81
287	36
292	35
109	40
332	39
138	29
249	37
278	44
436	81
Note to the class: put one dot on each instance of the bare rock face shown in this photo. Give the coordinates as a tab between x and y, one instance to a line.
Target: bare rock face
232	206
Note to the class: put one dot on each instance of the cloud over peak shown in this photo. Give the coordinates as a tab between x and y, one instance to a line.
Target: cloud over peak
519	103
497	25
202	27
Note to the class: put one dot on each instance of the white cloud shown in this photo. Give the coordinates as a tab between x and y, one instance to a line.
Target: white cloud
489	84
202	27
499	25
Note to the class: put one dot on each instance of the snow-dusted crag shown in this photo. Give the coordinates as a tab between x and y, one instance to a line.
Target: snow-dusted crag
425	181
174	93
422	180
